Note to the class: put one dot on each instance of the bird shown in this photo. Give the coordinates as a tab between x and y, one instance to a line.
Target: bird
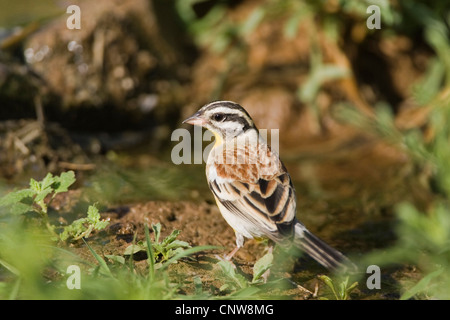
252	187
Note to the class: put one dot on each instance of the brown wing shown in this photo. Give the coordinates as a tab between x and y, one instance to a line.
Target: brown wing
261	193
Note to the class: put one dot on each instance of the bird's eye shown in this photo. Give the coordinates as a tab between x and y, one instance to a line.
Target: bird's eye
219	117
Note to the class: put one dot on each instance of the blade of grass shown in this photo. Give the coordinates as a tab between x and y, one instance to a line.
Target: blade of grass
9	267
15	291
103	266
187	252
150	256
133	243
422	285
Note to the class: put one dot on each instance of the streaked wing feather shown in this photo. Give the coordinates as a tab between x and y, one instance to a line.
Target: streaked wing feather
271	202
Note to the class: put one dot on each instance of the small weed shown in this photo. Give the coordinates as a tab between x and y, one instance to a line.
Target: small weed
33	198
235	281
38	198
261	267
341	290
82	228
161	251
156	283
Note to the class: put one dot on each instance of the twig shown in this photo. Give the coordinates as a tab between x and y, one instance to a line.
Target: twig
39	110
76	166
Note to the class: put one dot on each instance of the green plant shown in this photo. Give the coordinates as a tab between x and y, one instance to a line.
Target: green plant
236	282
423	237
38	198
153	284
215	30
32	268
82	228
22	201
423	241
340	290
33	199
22	259
161	251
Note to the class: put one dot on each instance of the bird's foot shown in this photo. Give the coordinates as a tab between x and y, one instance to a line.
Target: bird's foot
228	257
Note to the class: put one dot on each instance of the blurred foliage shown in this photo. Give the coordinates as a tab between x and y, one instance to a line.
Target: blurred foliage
423	237
16	13
157	181
32	268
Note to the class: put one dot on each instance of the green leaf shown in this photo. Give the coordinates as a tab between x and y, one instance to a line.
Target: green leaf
9	267
178	244
157	248
291	27
102	264
134	248
157	229
187	252
252	21
15	196
64	181
342	286
115	258
170	238
229	270
327	280
319	75
35	186
93	214
261	266
42	194
21	208
341	291
428	87
422	285
150	255
64	235
82	228
100	225
18	202
47	181
198	285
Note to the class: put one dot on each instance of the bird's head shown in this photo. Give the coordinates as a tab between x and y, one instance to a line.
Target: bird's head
225	119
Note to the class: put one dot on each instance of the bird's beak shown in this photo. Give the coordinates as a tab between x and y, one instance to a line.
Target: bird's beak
196	119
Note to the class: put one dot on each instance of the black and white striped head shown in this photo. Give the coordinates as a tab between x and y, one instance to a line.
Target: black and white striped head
226	118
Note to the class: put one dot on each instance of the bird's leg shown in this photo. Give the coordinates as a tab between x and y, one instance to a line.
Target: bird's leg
232	253
239	244
228	257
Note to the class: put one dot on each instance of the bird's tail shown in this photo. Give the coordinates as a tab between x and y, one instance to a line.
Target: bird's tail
317	249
